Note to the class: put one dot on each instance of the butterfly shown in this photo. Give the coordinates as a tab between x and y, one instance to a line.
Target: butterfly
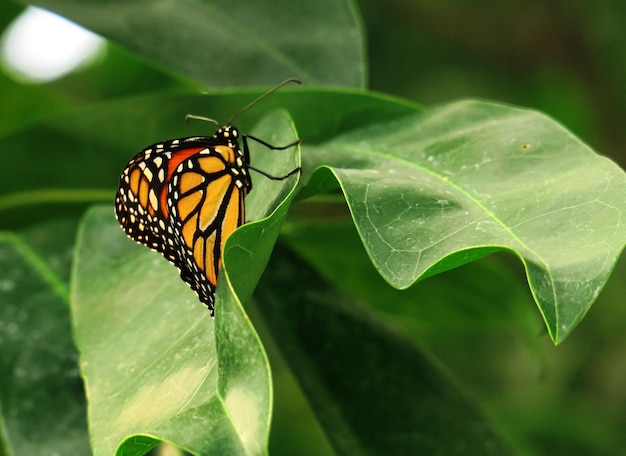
183	198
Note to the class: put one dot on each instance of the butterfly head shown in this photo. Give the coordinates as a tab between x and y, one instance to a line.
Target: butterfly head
228	133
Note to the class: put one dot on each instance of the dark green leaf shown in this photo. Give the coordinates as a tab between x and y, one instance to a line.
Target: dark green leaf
440	189
42	404
233	43
374	391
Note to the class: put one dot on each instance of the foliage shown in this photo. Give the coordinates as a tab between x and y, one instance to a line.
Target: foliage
364	360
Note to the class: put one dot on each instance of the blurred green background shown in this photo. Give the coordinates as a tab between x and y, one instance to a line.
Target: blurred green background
565	58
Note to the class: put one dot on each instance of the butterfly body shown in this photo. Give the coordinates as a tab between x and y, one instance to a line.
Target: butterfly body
183	198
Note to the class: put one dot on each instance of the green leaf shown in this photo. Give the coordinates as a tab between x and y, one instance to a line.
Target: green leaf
233	43
156	366
436	190
373	390
42	406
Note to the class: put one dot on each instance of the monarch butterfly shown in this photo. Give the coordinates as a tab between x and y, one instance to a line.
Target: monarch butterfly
183	197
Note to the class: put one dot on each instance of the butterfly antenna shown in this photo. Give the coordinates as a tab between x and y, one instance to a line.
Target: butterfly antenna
269	92
206	119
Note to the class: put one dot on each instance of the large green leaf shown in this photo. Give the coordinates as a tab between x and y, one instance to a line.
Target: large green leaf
437	190
222	43
156	366
42	406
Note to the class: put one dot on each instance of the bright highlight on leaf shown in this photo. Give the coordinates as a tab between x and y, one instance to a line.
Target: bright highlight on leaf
41	46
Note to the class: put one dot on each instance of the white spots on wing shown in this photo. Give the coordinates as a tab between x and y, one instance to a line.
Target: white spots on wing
153	199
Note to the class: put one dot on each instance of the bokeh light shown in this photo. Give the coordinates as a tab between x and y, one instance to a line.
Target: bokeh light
40	46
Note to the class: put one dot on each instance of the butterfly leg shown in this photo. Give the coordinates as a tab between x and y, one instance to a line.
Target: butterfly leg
246	153
268	145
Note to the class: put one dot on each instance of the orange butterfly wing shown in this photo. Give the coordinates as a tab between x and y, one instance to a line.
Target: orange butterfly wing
183	198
